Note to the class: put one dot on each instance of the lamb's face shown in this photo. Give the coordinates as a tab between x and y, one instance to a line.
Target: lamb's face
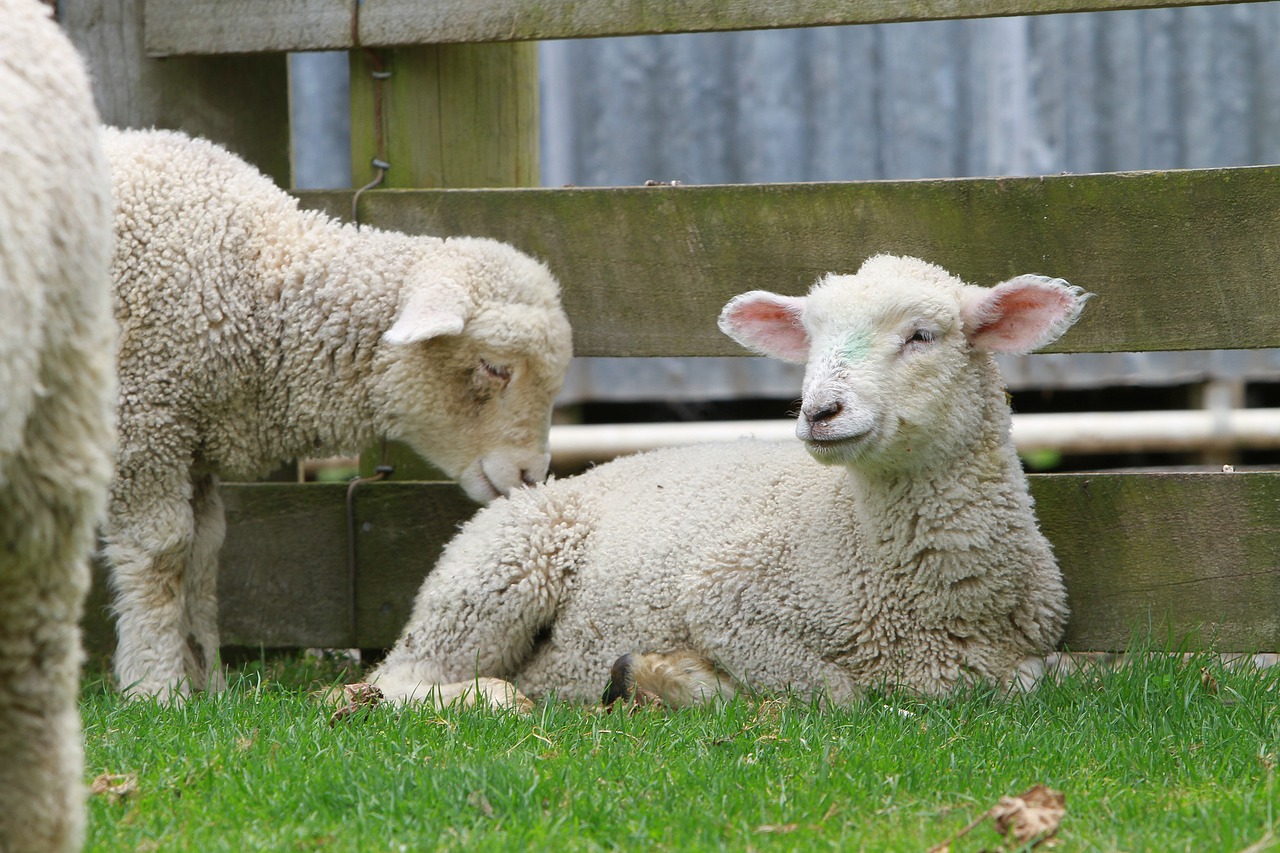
898	372
485	412
888	372
475	396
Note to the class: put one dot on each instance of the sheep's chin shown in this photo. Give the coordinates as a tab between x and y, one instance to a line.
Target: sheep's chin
839	451
478	486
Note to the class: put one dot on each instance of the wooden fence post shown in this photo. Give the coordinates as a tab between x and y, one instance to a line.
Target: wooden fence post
442	116
241	102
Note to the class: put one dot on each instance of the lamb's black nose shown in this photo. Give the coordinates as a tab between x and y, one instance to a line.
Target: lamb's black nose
826	413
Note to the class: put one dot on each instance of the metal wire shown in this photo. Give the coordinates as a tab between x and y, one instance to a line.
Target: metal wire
380	75
379	473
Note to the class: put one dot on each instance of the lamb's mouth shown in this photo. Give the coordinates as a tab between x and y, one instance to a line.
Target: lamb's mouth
841	446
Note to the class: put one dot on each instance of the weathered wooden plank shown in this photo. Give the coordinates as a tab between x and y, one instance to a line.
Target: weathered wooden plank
1179	260
241	102
249	26
1189	557
477	104
285	576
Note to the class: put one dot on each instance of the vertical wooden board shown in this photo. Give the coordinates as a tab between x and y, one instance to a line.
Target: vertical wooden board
241	102
451	115
402	528
1188	557
283	568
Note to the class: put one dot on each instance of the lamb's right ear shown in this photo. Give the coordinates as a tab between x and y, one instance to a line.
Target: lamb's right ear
769	324
428	312
1021	314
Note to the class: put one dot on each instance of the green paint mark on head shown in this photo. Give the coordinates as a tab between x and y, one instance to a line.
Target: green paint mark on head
856	347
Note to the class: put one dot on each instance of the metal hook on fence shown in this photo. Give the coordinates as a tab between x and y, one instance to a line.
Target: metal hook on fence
380	75
379	473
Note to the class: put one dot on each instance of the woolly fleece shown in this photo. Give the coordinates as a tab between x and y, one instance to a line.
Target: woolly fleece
252	331
911	559
56	421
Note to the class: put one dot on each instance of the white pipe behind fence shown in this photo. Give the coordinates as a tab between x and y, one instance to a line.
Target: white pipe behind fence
1095	432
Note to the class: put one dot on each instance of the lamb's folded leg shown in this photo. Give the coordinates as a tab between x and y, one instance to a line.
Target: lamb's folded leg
675	679
495	590
399	688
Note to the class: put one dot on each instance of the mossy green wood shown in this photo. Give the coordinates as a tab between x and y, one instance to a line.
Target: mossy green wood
447	116
241	102
1177	260
1189	558
236	26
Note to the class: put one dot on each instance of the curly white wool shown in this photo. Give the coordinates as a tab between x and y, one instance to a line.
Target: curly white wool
252	331
56	421
911	558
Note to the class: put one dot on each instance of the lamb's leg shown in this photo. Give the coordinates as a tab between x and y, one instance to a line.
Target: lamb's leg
201	617
481	610
147	546
42	584
675	679
494	692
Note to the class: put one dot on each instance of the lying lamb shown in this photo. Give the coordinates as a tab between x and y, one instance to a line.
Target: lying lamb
910	557
56	439
252	331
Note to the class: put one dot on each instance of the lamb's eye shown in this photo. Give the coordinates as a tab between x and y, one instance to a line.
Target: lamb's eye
922	336
497	372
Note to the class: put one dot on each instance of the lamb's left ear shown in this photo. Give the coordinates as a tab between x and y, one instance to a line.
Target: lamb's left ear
428	312
1021	314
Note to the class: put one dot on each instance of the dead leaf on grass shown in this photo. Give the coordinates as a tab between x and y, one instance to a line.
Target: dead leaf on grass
1032	818
478	800
777	828
115	787
359	697
1208	681
1033	815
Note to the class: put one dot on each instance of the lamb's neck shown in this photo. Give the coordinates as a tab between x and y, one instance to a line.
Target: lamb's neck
963	504
339	297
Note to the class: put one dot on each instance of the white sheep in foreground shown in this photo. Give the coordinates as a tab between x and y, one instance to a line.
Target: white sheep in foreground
252	331
56	419
909	558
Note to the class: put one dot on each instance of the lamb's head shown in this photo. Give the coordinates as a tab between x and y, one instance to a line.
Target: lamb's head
473	363
898	367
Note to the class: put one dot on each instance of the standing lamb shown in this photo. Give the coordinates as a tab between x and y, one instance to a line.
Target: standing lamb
252	331
57	389
910	557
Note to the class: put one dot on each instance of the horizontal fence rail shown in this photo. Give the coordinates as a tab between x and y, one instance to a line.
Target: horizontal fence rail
255	26
1178	260
1189	558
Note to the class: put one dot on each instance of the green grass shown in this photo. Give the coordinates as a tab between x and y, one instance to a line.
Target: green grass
1154	757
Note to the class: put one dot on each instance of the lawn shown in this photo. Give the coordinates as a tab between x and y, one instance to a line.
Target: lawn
1165	755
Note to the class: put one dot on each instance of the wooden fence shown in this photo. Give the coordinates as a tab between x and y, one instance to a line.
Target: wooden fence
1179	260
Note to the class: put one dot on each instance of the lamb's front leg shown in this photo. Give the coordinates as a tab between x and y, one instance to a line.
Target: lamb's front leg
479	614
147	546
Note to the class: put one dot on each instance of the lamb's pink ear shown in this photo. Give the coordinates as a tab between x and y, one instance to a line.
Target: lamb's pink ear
1021	314
428	312
768	323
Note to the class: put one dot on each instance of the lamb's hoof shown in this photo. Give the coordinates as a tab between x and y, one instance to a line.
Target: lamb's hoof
173	694
621	683
353	699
